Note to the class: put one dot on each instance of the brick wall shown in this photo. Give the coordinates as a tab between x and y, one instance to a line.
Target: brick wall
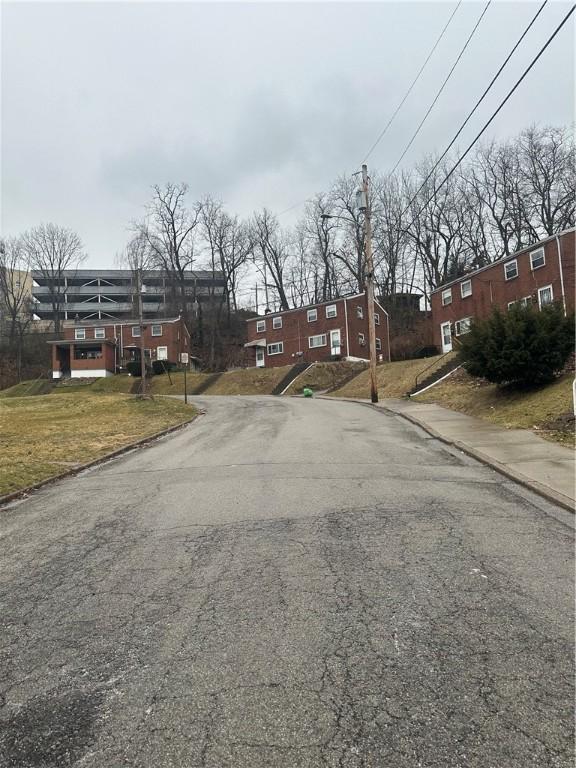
297	329
491	286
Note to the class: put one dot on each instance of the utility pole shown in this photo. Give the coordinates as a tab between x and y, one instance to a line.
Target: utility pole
142	346
369	277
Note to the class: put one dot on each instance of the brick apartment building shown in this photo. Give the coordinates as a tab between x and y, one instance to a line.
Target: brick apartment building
330	330
100	348
538	275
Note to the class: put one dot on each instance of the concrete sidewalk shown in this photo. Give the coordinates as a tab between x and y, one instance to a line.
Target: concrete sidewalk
544	467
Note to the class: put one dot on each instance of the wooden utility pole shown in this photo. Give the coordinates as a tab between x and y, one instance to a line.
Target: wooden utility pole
142	345
369	278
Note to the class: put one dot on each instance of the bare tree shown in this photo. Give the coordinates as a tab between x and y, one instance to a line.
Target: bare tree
15	299
52	250
547	168
272	246
168	229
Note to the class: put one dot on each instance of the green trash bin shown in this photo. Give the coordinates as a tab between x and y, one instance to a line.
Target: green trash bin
307	392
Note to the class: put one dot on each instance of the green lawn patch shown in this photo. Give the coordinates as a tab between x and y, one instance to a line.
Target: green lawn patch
44	435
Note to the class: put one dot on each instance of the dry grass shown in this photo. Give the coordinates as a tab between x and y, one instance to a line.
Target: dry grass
248	381
162	385
548	410
44	435
394	379
322	376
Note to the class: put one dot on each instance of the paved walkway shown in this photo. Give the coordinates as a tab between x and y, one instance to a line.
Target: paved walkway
547	468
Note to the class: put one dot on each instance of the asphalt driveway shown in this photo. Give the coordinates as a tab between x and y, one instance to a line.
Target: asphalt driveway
286	583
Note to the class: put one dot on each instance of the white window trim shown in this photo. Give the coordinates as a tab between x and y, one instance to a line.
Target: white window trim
462	284
276	323
330	307
79	334
139	332
312	312
279	344
361	339
99	333
158	352
318	336
379	345
545	288
446	294
360	312
457	326
260	326
376	318
538	251
156	325
511	277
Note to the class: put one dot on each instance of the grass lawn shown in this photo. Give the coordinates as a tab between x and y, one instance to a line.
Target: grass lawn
323	376
394	379
247	381
547	410
44	435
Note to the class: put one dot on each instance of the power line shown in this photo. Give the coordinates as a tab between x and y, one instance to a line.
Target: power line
448	76
409	91
480	100
493	117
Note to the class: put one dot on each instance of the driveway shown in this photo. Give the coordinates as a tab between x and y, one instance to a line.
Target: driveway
286	583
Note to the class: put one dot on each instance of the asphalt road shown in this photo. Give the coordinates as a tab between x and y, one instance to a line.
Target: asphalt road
286	583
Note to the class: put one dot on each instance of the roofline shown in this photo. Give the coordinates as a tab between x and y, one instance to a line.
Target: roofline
83	342
347	297
99	323
503	259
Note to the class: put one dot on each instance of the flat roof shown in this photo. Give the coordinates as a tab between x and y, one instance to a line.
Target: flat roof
101	323
81	342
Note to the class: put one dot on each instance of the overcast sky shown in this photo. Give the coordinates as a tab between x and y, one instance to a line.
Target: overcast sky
255	103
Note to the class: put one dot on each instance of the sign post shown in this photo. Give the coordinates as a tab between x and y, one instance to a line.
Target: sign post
184	360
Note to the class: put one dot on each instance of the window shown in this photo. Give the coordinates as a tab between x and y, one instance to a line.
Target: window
511	304
156	330
99	333
80	333
511	269
331	310
537	259
378	345
317	341
276	322
312	315
135	331
466	288
376	318
463	326
447	297
360	313
526	301
276	349
88	353
545	296
260	326
161	353
361	339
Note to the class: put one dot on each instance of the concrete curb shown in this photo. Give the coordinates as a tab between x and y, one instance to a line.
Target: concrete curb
107	457
542	490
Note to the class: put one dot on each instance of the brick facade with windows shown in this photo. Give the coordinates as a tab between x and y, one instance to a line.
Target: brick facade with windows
100	348
542	273
318	332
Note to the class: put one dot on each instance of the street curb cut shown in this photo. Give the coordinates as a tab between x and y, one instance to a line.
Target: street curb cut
532	485
107	457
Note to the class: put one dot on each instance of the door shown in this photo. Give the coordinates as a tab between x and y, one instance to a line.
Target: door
259	357
335	342
161	353
446	334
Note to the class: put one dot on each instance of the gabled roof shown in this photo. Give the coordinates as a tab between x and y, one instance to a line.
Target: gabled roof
503	259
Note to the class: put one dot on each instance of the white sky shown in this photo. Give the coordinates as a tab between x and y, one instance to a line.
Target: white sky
255	103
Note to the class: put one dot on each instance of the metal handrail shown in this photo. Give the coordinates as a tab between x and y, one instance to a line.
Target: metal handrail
430	366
